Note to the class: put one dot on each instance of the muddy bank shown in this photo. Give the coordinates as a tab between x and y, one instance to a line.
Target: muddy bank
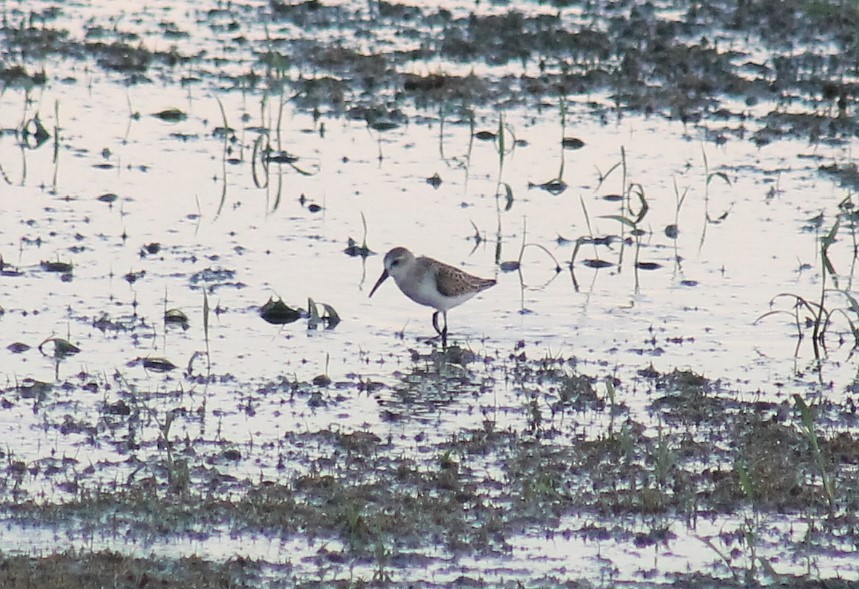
575	466
713	62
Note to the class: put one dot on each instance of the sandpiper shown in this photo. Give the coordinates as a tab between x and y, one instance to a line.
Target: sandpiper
431	283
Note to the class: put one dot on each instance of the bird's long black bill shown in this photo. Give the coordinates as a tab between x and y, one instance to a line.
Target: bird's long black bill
380	281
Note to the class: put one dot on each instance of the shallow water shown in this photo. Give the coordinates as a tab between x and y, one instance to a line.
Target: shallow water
243	234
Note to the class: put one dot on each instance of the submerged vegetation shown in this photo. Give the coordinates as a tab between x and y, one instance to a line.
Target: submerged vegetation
568	459
676	61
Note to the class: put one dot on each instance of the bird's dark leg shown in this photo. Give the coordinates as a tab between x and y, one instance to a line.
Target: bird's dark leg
441	332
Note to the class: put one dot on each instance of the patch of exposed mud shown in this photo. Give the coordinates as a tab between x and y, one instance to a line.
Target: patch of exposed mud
683	60
574	453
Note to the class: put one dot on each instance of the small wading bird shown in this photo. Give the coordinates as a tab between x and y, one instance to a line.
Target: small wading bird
431	283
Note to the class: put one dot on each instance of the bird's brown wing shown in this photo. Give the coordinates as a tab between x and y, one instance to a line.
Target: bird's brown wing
446	279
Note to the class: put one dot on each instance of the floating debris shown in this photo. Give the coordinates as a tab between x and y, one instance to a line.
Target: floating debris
323	380
62	347
59	267
17	347
176	317
277	312
150	248
158	364
355	250
572	143
281	157
8	269
556	186
171	115
602	240
223	132
592	263
434	180
35	129
232	454
132	277
329	317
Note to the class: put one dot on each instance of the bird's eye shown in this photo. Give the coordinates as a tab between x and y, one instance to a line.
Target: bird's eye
395	263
